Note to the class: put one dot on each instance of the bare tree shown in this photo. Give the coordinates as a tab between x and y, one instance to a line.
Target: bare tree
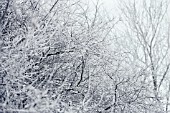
147	41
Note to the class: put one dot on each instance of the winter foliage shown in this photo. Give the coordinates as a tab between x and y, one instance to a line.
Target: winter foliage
63	56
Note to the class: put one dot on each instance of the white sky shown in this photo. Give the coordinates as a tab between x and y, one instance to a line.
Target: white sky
108	7
111	6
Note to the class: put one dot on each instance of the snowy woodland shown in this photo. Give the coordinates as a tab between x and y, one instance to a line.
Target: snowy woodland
71	56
